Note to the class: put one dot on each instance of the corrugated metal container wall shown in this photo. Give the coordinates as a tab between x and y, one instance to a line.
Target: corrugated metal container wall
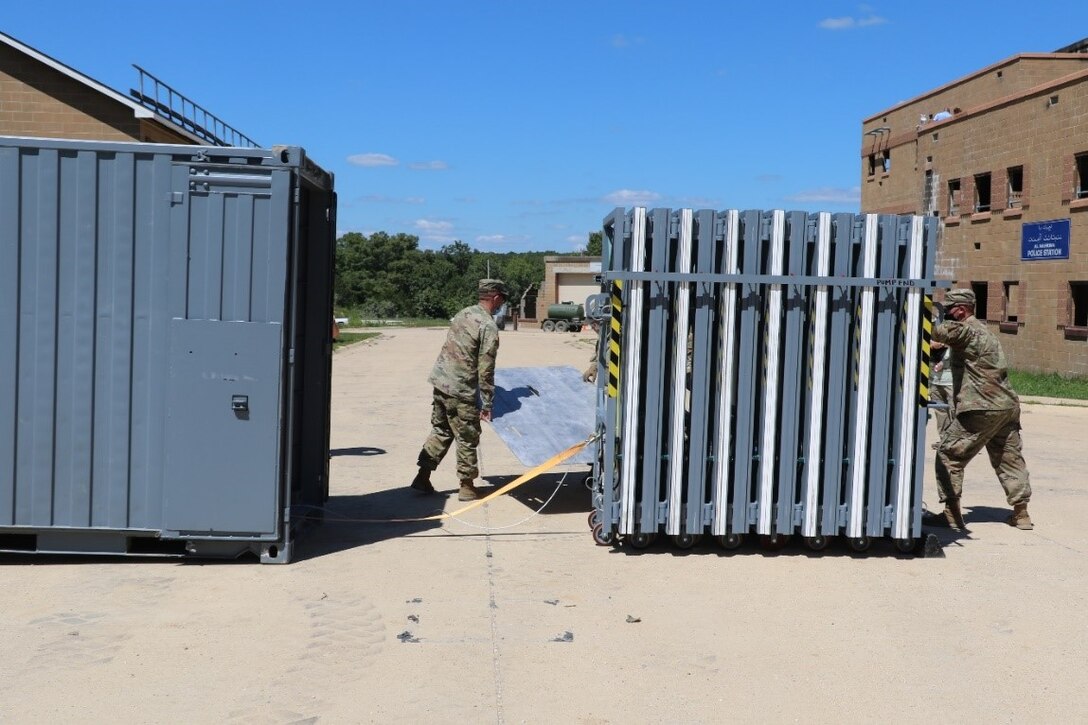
164	346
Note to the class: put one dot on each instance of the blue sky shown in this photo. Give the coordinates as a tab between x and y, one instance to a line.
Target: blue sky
518	126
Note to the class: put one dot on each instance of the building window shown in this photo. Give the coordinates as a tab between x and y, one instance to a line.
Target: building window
982	291
1015	176
1081	188
872	164
1078	292
954	197
887	159
1010	315
982	192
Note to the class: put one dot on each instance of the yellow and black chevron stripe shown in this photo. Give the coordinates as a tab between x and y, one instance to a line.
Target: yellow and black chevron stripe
614	338
924	364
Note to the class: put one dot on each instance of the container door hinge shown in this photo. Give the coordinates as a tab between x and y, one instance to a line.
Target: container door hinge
176	197
291	356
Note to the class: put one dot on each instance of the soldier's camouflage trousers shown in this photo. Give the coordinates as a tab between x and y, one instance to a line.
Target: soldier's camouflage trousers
967	434
452	419
943	416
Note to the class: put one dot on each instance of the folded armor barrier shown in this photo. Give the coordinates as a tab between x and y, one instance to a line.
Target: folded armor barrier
764	372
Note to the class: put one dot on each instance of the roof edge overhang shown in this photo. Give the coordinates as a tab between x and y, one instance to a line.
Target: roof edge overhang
138	111
976	74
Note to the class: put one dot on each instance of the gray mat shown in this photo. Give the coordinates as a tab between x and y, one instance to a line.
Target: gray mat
539	412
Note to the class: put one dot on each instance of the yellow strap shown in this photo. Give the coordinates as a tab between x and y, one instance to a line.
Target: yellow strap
522	479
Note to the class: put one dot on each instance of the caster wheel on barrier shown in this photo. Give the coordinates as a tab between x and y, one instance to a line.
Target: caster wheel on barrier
774	542
731	541
685	541
594	518
860	543
906	546
603	537
816	543
641	540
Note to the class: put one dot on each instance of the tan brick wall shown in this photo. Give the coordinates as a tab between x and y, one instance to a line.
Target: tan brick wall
36	100
985	247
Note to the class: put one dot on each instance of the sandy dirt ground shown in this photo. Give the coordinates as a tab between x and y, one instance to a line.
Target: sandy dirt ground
531	622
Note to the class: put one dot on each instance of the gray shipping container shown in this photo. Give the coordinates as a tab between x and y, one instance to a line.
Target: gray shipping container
165	351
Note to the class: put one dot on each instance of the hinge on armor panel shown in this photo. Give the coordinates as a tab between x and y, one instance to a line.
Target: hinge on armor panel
708	514
753	513
812	227
626	229
674	228
903	233
798	514
719	230
844	514
889	516
662	512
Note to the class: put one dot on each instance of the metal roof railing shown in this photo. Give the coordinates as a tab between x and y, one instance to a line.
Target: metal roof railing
183	111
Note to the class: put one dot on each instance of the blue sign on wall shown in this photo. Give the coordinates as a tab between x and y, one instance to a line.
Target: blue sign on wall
1045	240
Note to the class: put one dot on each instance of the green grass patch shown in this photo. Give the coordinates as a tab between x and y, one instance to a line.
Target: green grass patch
1049	385
347	338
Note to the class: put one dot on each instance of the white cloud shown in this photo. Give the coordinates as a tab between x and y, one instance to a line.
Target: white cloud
829	195
372	159
433	225
435	165
492	238
438	231
849	22
623	197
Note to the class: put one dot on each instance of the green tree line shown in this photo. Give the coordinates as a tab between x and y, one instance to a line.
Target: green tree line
387	275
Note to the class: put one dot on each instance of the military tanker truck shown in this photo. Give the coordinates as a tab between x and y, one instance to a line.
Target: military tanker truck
564	317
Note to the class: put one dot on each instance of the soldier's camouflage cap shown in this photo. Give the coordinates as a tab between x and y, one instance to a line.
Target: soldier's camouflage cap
959	297
493	286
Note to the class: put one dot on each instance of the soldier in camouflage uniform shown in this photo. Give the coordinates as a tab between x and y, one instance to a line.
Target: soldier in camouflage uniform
465	367
987	414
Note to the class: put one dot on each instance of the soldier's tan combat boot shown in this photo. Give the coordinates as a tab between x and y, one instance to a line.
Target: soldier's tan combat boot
1020	518
951	517
468	492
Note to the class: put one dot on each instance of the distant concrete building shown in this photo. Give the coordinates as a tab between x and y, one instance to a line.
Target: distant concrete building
44	98
1007	173
567	278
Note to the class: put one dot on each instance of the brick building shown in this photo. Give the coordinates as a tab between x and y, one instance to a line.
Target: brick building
1007	173
567	278
44	98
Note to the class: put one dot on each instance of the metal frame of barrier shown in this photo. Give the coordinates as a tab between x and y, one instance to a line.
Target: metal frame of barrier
765	373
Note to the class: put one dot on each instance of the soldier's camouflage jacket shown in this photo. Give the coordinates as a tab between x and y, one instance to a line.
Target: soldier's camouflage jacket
980	374
467	360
